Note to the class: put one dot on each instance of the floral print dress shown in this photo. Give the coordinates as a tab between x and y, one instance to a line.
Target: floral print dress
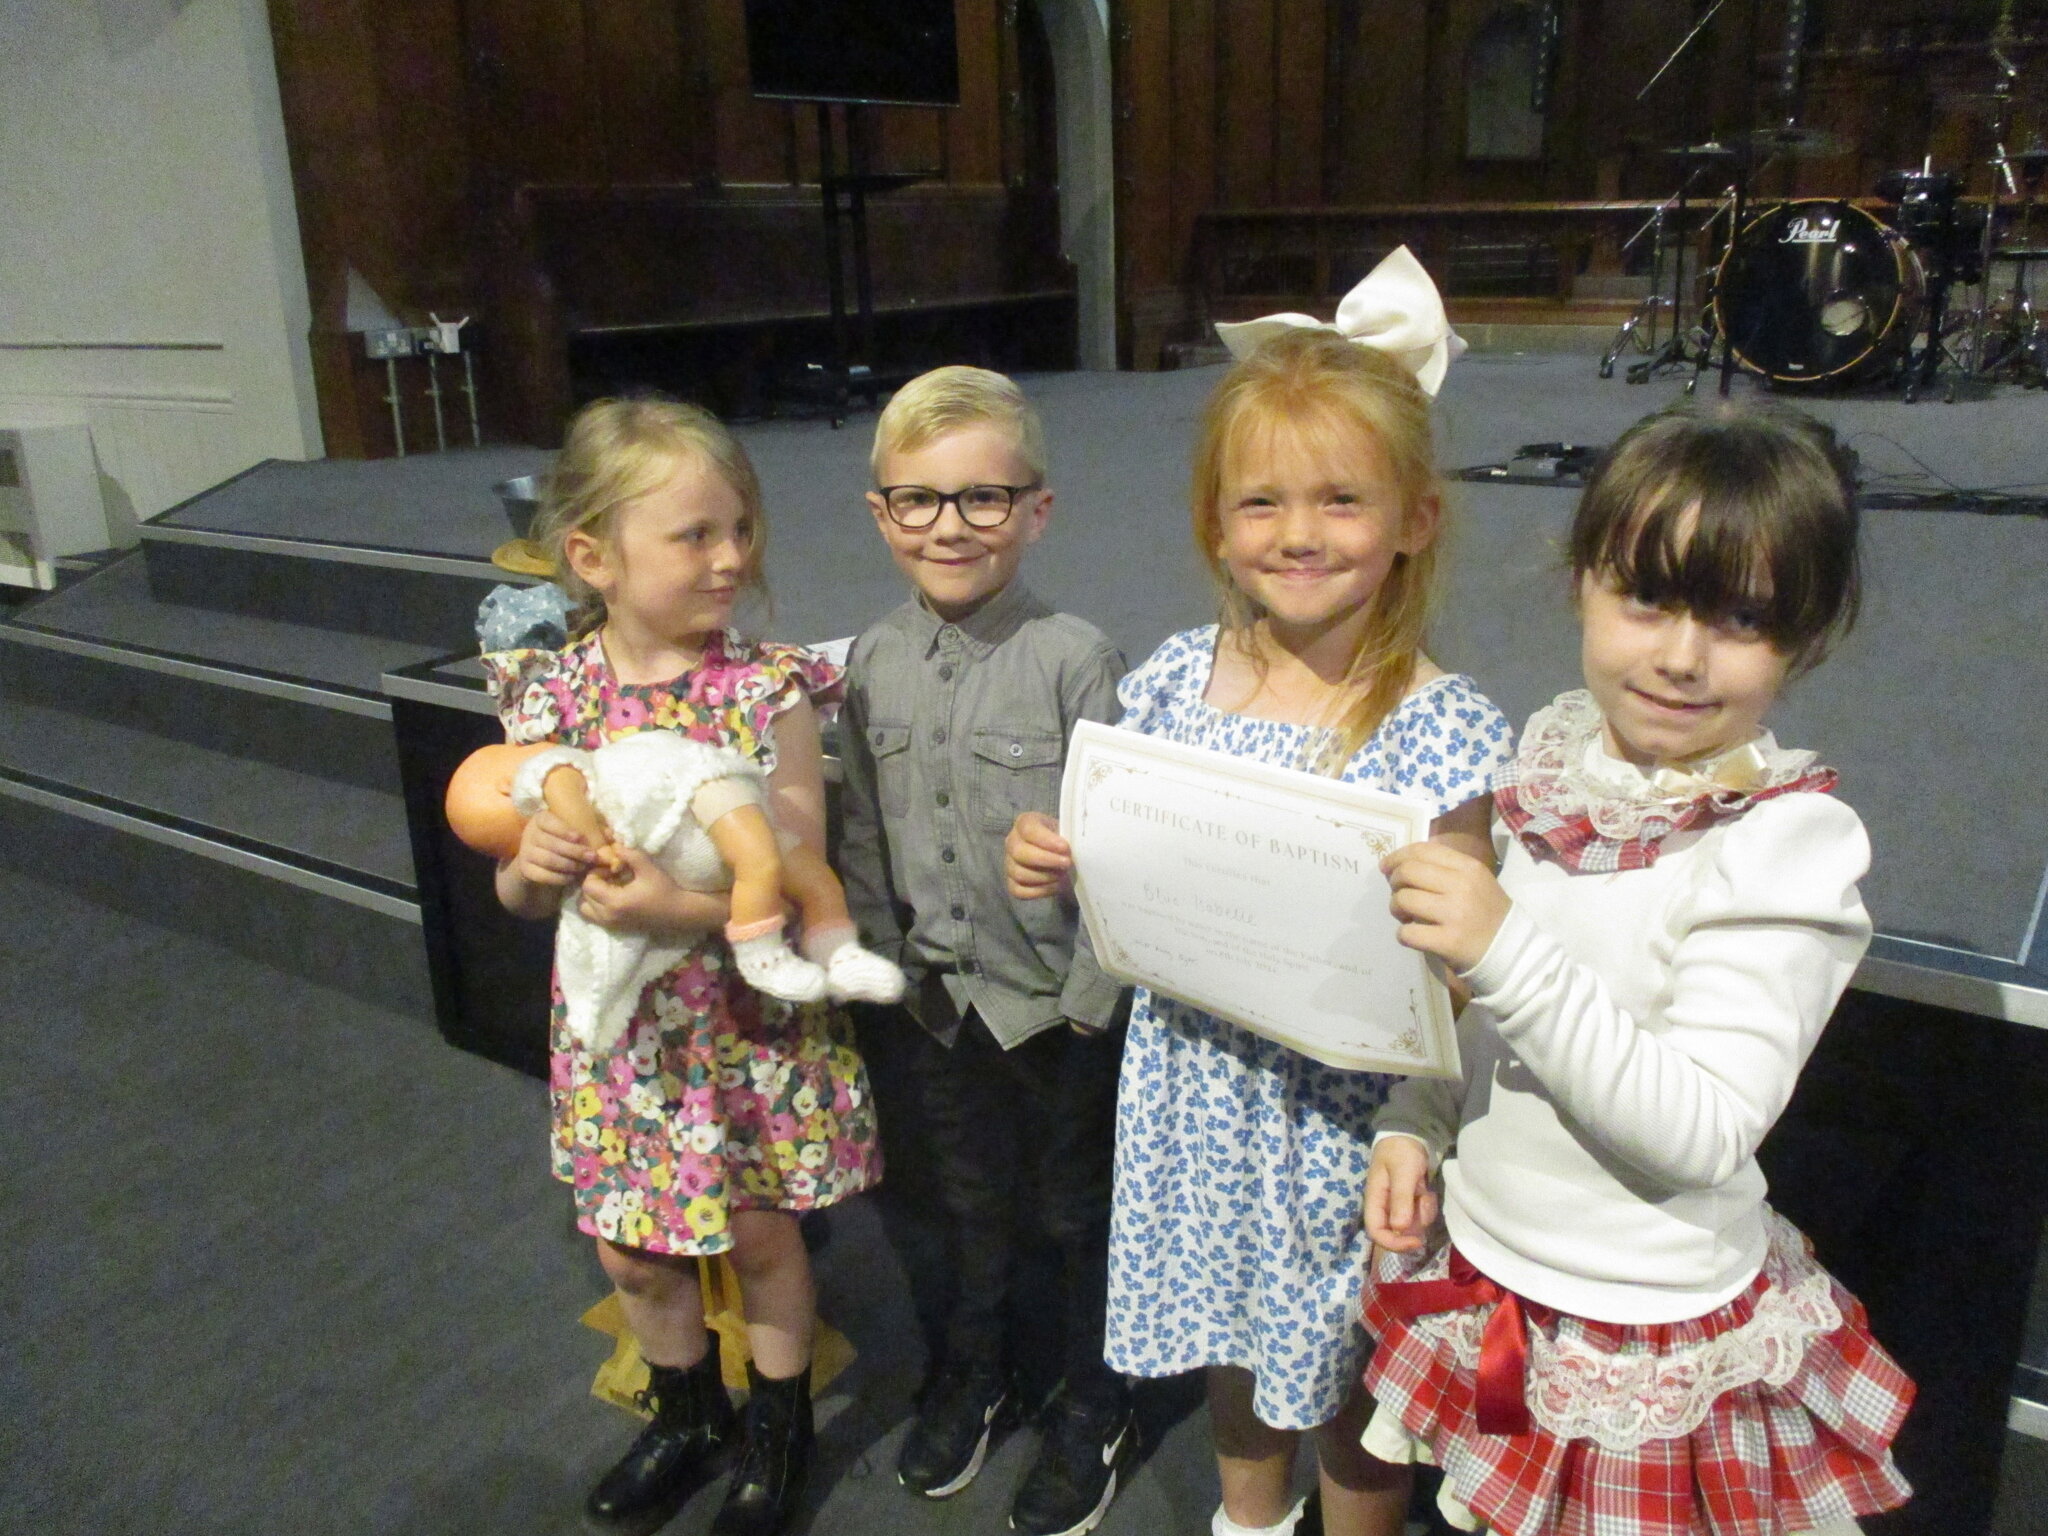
1236	1234
714	1099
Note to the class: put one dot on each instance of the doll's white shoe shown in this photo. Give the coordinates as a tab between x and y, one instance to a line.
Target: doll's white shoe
769	965
856	975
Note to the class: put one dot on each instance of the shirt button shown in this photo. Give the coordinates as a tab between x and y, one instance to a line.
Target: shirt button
959	914
1016	749
943	798
945	674
878	738
939	737
945	855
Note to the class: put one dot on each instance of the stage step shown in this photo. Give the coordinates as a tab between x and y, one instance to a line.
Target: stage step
318	834
344	545
300	697
428	600
232	772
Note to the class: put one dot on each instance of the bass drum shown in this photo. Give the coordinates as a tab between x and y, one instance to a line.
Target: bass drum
1818	292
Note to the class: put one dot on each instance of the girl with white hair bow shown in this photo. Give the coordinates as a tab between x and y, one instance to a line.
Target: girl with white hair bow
1237	1242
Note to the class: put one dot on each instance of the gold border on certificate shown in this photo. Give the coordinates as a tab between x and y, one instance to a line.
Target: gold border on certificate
1254	893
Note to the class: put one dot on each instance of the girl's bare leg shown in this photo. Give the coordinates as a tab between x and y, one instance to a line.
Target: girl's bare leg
1254	1460
661	1300
1362	1495
775	1287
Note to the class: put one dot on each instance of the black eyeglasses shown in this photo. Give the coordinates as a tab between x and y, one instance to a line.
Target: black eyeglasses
980	506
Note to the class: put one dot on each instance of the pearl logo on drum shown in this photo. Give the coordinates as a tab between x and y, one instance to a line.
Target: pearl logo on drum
1811	231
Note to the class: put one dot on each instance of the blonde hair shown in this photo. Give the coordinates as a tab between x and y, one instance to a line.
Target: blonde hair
616	451
1333	393
945	399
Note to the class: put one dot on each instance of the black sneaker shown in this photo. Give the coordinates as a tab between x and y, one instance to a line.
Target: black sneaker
955	1422
1090	1447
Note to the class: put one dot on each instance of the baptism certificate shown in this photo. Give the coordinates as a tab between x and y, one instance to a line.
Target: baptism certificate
1254	893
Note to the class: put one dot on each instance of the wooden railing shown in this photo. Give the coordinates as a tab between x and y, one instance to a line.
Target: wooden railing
1255	261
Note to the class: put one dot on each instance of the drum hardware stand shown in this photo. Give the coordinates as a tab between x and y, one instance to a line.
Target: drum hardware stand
1681	348
2011	343
2002	35
1640	328
1677	350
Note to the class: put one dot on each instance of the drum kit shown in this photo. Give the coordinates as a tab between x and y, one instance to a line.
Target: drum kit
1916	286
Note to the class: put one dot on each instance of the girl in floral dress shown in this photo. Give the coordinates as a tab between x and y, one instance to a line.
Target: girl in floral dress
719	1114
1237	1242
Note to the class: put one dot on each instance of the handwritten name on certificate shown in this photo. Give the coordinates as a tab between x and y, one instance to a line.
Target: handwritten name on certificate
1254	893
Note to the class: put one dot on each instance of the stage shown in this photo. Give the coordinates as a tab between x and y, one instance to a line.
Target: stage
1935	709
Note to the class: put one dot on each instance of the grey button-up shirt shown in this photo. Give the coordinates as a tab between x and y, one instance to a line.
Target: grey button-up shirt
947	733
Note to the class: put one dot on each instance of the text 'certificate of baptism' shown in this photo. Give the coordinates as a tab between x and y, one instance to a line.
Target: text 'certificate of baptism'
1254	893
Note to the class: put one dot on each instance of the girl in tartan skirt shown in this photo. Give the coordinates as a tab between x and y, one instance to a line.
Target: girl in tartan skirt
1610	1332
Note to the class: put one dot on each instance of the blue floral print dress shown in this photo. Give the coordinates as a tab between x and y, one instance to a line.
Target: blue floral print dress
1237	1235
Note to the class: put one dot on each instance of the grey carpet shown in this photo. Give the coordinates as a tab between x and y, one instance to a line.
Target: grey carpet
282	1261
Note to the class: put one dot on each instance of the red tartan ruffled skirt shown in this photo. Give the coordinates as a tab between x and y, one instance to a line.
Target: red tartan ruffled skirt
1771	1415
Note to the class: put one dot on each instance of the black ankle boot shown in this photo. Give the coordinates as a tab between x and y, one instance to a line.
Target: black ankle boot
674	1456
774	1460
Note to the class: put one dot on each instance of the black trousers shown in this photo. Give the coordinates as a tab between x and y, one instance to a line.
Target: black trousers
1005	1157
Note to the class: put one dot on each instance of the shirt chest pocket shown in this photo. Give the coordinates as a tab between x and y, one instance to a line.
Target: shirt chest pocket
1014	772
889	746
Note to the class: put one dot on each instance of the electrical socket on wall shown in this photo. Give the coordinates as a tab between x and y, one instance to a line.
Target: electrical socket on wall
396	341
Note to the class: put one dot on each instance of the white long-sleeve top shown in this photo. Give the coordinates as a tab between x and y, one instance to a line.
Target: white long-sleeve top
1631	1039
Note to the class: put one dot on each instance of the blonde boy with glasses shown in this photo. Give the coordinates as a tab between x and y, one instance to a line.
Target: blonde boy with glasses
998	1074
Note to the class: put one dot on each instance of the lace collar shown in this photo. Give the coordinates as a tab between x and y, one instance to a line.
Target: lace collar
1568	799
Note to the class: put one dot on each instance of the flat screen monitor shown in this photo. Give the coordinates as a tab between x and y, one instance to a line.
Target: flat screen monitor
886	52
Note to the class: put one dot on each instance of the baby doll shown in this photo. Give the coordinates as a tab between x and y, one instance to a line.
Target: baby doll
700	812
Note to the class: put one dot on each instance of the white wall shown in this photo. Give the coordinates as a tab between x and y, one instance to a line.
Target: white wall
150	271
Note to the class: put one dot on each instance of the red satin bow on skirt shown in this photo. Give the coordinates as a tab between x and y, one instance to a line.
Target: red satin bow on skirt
1500	1400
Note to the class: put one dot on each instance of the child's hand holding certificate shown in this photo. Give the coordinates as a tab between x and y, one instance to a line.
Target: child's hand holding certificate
1254	893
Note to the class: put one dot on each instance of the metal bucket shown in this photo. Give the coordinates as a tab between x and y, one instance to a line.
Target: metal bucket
521	498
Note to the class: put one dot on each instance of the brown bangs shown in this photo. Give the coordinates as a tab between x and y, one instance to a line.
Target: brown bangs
1736	515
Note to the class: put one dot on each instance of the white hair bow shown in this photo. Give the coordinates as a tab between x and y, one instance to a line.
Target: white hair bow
1394	309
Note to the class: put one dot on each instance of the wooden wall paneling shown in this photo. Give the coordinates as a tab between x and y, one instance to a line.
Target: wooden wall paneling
1299	58
1386	112
1009	82
1731	46
1037	115
1588	103
534	93
639	93
1195	123
1151	303
363	202
915	139
1245	79
1340	21
755	141
1458	177
974	130
424	114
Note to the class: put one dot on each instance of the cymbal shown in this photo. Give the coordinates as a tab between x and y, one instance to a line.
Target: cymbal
1713	149
1799	143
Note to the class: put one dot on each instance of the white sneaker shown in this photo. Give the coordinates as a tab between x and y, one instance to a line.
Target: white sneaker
771	966
856	975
